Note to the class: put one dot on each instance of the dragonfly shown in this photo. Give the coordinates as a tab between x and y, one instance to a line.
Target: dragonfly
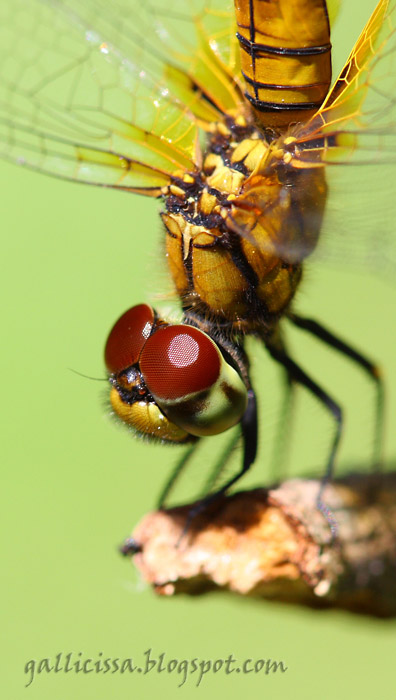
229	116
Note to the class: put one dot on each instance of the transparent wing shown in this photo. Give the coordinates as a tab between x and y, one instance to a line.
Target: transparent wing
333	7
357	121
352	138
113	93
116	93
356	127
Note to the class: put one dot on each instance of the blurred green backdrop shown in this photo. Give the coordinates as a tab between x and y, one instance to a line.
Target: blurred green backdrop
74	258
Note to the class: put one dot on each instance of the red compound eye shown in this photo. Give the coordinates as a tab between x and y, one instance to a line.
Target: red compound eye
177	361
127	337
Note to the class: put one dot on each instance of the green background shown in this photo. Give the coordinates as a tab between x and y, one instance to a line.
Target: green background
73	258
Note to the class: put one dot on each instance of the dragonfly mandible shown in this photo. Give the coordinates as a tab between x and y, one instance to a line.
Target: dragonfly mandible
232	120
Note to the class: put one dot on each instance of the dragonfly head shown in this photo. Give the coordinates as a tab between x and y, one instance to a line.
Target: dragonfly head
170	381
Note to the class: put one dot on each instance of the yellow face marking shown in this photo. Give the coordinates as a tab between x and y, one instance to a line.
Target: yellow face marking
147	418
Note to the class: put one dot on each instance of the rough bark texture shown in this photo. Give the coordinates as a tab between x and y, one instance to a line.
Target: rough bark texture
277	544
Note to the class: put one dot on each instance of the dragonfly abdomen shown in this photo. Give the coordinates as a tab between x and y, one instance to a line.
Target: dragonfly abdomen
285	58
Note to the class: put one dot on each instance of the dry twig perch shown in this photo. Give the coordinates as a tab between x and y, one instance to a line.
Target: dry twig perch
277	545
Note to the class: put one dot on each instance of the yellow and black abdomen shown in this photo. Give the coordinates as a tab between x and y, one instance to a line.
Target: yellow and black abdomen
285	58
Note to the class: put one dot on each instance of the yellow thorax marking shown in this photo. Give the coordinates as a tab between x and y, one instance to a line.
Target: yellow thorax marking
207	202
174	189
253	152
187	237
191	232
178	226
226	179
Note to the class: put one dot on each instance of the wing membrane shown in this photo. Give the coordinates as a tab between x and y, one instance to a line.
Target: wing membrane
115	94
82	80
357	121
356	126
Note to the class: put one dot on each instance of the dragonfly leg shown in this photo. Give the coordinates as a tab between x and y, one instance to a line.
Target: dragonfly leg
280	452
369	367
221	464
298	375
177	472
249	435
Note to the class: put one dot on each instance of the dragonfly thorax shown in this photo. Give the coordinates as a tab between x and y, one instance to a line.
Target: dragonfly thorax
238	229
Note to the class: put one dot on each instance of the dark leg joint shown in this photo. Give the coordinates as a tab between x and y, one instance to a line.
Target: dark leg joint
298	375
